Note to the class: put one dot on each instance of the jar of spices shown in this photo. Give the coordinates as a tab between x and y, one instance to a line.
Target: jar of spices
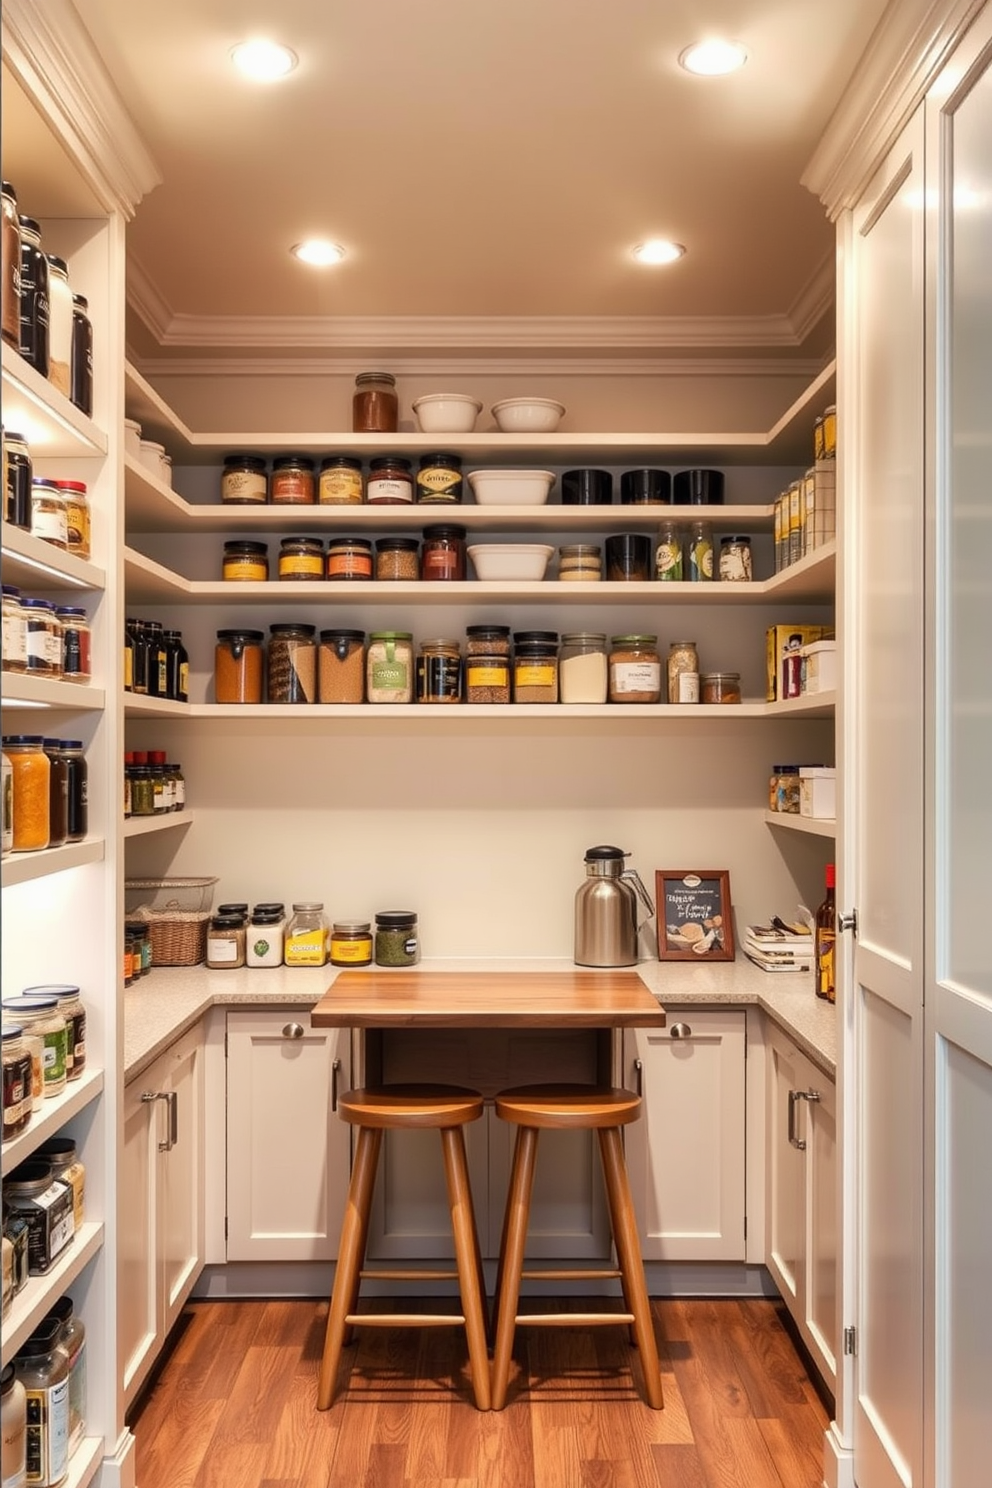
77	645
33	297
628	557
442	556
396	560
487	676
60	1154
17	492
700	552
58	792
31	772
634	669
396	939
487	640
10	285
439	480
41	1016
15	634
244	481
142	790
535	667
668	553
13	1408
830	432
340	481
7	837
59	324
735	559
70	1005
81	367
374	405
301	559
787	790
48	514
292	481
237	667
292	663
720	687
43	638
246	562
306	936
265	938
580	563
341	666
225	942
16	1064
439	672
349	558
582	668
351	943
77	806
389	667
72	1339
43	1369
390	481
683	672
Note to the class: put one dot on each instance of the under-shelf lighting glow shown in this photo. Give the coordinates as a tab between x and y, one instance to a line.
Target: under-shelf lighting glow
263	61
713	58
658	251
318	252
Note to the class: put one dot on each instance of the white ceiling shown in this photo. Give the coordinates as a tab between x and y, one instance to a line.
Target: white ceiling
487	168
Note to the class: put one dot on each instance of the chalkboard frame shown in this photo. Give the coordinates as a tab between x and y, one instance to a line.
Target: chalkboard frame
708	890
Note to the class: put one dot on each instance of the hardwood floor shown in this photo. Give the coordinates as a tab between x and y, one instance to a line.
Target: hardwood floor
234	1406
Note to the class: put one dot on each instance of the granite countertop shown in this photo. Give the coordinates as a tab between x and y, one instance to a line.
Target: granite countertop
161	1006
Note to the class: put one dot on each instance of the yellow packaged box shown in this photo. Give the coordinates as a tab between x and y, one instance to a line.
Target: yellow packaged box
782	640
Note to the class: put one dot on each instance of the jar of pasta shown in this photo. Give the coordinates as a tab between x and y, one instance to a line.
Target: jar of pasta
635	669
238	666
292	663
30	792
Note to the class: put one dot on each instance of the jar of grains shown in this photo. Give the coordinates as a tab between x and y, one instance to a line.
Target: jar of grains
396	939
349	558
582	668
580	563
374	405
389	667
635	669
720	687
535	667
396	559
439	672
442	556
340	481
341	666
244	481
238	666
487	640
225	942
351	943
683	672
48	514
78	523
246	562
439	480
301	558
292	481
487	677
390	481
292	663
30	795
735	559
668	553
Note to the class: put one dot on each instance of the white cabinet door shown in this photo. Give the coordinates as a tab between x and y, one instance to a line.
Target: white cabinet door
181	1208
137	1282
686	1154
288	1154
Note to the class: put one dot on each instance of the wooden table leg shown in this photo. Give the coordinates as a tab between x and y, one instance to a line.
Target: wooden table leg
512	1257
467	1257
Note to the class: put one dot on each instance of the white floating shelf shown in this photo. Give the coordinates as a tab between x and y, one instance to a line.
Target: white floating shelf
26	867
141	826
35	1299
813	826
30	562
51	425
21	690
55	1111
509	713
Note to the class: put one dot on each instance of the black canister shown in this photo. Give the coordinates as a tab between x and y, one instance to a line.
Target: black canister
81	361
698	488
34	297
640	487
17	496
628	557
587	488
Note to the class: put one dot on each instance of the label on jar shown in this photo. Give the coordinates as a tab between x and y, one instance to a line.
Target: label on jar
50	526
346	564
47	1434
668	560
687	687
536	674
388	489
78	527
223	951
341	485
487	673
14	641
439	484
306	948
701	560
243	486
301	565
292	487
635	676
351	952
389	676
245	570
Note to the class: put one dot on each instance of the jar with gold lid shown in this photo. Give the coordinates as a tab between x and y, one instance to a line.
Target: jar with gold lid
351	943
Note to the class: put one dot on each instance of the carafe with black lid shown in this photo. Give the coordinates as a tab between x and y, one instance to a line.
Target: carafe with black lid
606	910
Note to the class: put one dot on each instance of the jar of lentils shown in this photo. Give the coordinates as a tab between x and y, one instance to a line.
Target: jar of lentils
396	559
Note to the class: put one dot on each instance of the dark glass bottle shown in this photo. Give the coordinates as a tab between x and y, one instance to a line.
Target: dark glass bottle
825	936
58	793
139	647
176	667
157	659
78	789
34	297
81	366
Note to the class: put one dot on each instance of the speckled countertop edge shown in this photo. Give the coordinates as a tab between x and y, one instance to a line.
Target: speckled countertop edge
162	1006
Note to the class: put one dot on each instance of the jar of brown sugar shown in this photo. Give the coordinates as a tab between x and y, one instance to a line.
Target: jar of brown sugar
341	666
238	666
292	481
340	481
374	404
634	669
396	559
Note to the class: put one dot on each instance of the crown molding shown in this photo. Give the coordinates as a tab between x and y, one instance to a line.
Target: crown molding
906	51
816	299
156	368
53	54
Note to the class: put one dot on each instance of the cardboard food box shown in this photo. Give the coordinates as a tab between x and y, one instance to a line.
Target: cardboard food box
818	791
780	642
819	666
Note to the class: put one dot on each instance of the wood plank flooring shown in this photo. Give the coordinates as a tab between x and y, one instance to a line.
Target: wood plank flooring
234	1406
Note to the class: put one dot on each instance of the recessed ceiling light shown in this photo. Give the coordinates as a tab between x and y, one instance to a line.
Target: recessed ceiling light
658	251
263	61
713	58
318	252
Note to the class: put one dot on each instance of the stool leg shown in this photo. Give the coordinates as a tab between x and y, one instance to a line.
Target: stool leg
511	1258
467	1257
629	1256
351	1253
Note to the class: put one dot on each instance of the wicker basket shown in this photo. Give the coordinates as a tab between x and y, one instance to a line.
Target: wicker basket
177	913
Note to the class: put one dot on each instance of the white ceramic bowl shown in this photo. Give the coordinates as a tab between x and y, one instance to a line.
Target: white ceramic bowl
511	487
447	413
528	415
510	560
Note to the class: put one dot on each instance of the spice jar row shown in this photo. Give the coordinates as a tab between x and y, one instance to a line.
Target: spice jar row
42	318
266	937
44	1206
153	785
340	480
43	1391
56	511
51	1020
44	639
346	667
45	792
156	663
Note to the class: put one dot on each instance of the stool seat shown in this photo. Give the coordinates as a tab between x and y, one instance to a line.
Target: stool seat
446	1109
563	1106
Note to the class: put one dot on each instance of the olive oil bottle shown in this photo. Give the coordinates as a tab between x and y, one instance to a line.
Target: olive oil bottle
825	936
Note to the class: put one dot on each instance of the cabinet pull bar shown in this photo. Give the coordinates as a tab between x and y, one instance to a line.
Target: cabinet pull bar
172	1099
639	1076
795	1096
335	1071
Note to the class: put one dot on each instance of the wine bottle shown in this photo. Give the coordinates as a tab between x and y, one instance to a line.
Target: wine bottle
825	935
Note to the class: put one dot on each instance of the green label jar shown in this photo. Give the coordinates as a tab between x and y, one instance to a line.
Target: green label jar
389	667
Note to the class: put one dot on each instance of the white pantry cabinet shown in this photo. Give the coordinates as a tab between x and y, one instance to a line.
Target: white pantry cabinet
162	1235
288	1153
800	1196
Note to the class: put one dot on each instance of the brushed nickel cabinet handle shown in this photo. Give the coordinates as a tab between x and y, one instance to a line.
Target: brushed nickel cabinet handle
293	1031
681	1031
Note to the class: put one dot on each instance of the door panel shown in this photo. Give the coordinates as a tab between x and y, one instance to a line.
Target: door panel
137	1307
182	1201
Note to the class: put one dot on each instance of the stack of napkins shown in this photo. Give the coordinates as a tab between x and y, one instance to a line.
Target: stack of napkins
780	946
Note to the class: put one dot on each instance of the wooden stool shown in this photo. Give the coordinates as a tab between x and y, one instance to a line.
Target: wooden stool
447	1108
605	1110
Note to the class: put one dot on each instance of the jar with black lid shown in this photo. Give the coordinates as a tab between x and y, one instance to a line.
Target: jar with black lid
34	297
396	559
58	792
439	480
292	663
49	520
340	481
442	556
17	495
244	481
374	405
349	558
487	640
301	558
439	672
11	267
292	481
341	666
390	481
77	649
246	562
81	377
16	1082
535	666
396	940
226	942
77	789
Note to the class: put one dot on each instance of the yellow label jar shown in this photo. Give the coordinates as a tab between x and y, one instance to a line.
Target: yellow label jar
340	481
301	558
246	562
351	943
306	936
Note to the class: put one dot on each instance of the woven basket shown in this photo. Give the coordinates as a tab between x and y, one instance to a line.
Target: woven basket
178	936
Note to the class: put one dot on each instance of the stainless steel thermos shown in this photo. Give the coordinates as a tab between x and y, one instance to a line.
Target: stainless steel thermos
606	910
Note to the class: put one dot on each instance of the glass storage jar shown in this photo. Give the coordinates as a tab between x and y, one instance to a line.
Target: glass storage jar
33	300
487	640
48	513
15	635
17	492
60	1154
720	687
246	562
77	643
43	1369
634	669
341	666
700	546
292	663
301	558
396	939
238	666
396	560
628	557
7	840
683	672
225	942
340	481
292	481
71	751
390	481
442	556
374	405
439	480
81	369
59	325
244	481
265	938
77	517
30	791
43	638
16	1062
58	792
580	563
735	559
439	672
70	1005
349	558
351	943
306	936
72	1339
42	1017
389	667
535	667
10	309
487	677
668	553
582	668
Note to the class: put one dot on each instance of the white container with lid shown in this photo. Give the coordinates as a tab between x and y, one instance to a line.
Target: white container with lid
819	666
132	437
817	791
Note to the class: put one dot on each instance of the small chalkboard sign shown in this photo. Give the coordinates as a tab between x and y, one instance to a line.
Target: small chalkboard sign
694	919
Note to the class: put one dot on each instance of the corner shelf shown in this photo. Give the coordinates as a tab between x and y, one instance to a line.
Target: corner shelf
45	417
26	867
56	1110
35	1299
29	560
141	826
813	826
